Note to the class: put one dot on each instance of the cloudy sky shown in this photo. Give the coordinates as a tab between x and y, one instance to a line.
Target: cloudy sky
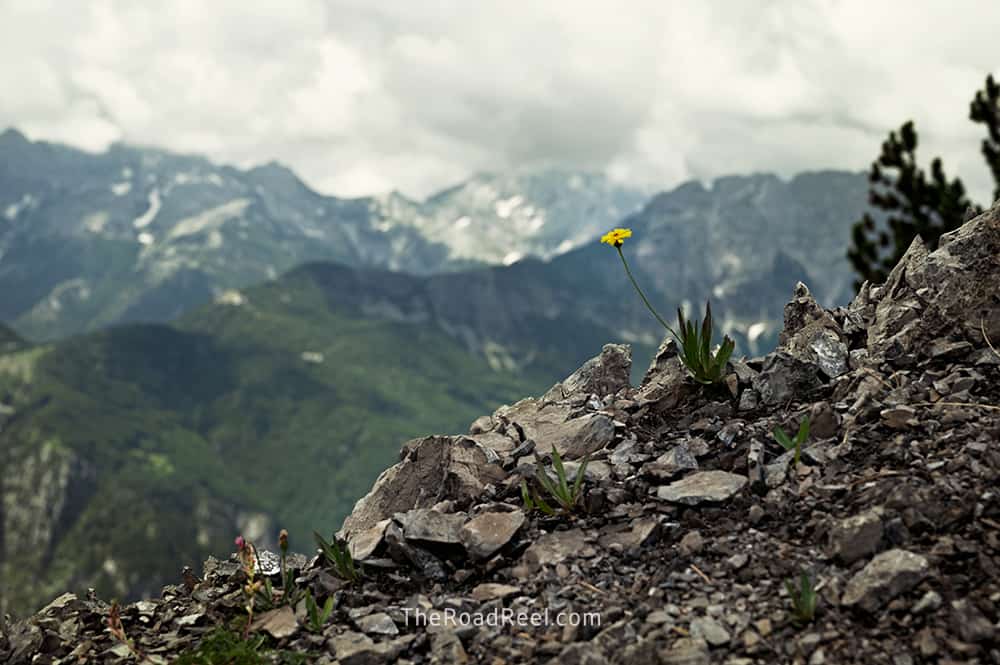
363	96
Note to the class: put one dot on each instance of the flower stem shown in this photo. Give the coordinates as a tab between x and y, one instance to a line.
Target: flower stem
642	295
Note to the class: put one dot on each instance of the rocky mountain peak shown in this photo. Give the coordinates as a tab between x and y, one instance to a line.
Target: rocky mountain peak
11	136
692	517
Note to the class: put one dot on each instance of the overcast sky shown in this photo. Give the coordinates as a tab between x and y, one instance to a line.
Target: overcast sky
363	96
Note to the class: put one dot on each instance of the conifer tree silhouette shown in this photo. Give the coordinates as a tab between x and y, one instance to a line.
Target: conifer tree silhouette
985	109
914	203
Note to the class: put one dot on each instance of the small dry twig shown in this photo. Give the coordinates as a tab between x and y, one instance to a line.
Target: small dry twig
701	574
117	631
982	328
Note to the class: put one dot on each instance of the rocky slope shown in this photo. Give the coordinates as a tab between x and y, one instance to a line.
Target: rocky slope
692	516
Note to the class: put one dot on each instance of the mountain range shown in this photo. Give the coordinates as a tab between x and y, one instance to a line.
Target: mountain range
138	234
237	408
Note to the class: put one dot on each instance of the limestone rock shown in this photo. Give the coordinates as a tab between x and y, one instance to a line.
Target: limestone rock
364	543
432	469
703	487
811	335
602	375
945	294
553	425
675	461
551	548
486	533
886	576
710	630
431	526
856	537
785	376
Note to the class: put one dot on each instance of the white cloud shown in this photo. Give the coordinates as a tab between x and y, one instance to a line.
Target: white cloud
366	95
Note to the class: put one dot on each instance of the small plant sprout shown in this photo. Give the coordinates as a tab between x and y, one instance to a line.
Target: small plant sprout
117	631
248	560
696	353
705	366
803	597
318	615
561	492
339	556
290	591
793	444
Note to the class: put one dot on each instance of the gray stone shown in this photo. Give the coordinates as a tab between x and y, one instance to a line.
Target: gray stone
823	421
364	543
900	417
279	623
379	623
486	533
447	649
596	472
776	473
432	469
928	603
686	651
811	335
944	295
710	630
580	436
425	563
552	548
672	463
550	425
969	623
493	591
666	382
703	487
856	537
784	377
636	534
358	649
886	576
602	375
579	653
749	400
431	526
691	543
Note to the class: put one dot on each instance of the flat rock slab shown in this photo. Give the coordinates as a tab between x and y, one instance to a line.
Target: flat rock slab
703	487
856	537
886	576
279	623
493	591
554	547
364	544
634	535
379	623
431	526
484	534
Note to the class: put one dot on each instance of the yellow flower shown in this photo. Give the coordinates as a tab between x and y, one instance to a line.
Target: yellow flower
617	237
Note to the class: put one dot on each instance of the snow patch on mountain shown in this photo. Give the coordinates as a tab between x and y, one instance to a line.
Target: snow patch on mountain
146	218
96	221
15	209
212	218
